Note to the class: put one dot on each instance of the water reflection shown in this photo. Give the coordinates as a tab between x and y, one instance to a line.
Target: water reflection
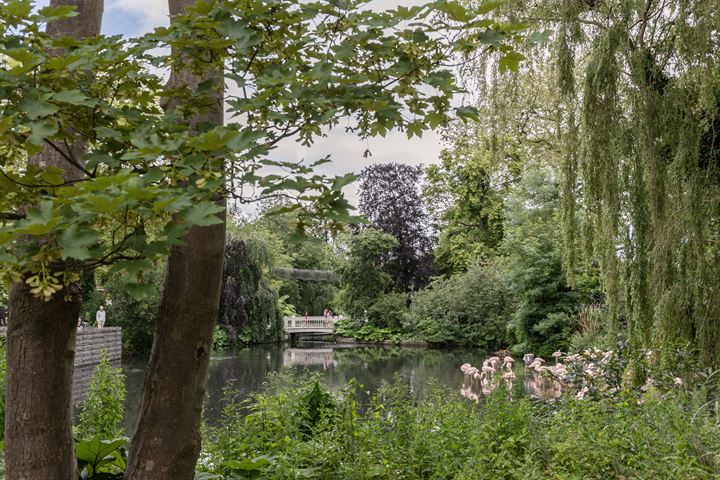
246	370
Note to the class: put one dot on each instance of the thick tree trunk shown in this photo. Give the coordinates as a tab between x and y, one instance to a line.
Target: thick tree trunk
41	337
38	411
167	441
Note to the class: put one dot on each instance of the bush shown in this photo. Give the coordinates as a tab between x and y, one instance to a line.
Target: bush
367	332
447	437
103	409
471	309
388	311
221	340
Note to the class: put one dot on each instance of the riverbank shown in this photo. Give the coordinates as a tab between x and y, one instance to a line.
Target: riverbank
299	429
401	343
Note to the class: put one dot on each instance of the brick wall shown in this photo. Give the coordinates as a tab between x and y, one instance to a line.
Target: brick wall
90	342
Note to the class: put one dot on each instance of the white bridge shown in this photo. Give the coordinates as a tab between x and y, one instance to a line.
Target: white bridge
311	325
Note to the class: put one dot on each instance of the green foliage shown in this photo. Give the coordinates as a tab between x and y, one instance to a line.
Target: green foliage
250	305
102	410
312	253
152	168
465	203
472	309
367	332
636	122
135	316
388	311
445	436
220	340
363	279
542	322
101	459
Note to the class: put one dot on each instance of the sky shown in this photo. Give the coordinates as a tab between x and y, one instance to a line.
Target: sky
135	17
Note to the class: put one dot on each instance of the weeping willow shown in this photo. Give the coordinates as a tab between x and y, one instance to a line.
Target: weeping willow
643	161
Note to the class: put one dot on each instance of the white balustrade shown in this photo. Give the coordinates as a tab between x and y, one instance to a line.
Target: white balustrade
310	323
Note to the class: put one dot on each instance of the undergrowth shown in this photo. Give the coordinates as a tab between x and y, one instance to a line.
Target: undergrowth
298	429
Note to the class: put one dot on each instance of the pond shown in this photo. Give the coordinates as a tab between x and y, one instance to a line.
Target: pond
246	369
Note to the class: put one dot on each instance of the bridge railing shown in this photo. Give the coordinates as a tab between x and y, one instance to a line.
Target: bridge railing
311	322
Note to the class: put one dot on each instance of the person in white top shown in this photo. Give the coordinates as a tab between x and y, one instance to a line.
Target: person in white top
100	317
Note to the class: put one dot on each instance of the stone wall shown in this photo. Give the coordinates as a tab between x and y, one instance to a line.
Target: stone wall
90	342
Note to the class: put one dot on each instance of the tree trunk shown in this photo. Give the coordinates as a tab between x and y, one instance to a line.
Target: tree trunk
38	411
41	337
167	441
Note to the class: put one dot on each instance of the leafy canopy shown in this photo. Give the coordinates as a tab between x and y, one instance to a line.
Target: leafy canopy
147	174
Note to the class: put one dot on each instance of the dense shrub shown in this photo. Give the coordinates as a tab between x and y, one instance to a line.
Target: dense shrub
102	410
367	332
471	308
221	341
447	437
388	311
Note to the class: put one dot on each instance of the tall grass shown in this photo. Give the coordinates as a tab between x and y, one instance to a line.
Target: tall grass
295	429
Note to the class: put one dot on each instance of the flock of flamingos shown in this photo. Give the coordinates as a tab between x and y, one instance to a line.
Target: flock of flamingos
540	379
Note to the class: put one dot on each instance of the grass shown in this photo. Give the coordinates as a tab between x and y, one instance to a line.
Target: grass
296	429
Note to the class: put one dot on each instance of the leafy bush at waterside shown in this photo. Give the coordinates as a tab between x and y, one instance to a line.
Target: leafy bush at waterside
367	332
296	429
472	308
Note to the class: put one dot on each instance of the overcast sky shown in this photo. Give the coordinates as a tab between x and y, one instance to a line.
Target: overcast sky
135	17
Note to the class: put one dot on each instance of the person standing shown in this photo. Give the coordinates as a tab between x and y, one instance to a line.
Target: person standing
100	317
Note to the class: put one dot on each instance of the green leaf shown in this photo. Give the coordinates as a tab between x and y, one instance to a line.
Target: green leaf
340	182
50	14
41	130
39	220
490	5
511	61
76	244
491	37
467	112
6	122
95	451
540	37
73	97
454	10
203	214
18	8
38	106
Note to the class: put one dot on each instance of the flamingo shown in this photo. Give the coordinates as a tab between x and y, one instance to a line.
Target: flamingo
528	358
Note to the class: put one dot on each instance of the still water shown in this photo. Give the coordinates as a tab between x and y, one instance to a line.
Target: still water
246	369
